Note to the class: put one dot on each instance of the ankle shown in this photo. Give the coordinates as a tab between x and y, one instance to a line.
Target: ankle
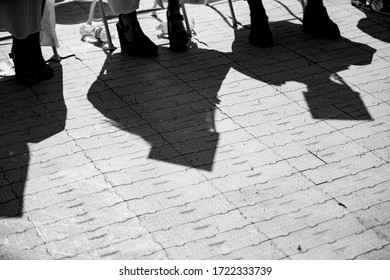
35	49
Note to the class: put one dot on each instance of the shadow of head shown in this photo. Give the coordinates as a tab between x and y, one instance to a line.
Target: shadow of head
316	63
171	108
375	24
170	101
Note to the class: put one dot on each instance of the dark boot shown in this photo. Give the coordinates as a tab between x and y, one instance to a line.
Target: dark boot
260	33
131	37
23	63
43	70
316	21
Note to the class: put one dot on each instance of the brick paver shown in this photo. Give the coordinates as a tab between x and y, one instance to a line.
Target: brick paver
225	151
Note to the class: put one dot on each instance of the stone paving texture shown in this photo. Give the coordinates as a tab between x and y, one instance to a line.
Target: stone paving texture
225	151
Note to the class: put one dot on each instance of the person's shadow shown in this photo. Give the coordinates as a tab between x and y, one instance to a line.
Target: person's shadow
315	63
375	24
172	104
26	116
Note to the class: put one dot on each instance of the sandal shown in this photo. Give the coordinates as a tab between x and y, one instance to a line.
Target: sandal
132	39
178	37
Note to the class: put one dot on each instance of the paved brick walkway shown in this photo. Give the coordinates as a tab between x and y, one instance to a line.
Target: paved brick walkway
226	151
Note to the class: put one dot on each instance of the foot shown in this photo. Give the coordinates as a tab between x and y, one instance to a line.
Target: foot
132	38
316	22
260	34
178	37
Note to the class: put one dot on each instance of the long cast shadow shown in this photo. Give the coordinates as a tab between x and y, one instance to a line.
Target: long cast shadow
171	104
311	62
26	116
375	24
150	101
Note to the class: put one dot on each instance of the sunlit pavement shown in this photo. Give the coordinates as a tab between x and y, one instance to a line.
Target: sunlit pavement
225	151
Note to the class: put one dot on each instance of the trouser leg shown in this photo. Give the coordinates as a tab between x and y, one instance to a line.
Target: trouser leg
257	11
260	33
316	21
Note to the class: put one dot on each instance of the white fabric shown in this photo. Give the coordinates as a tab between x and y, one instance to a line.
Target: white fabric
48	31
123	6
21	17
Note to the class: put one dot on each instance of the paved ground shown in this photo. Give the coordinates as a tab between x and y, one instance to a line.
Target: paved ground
225	151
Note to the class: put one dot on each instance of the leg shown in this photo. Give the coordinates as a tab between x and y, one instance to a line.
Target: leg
42	69
260	33
30	67
22	58
316	21
178	37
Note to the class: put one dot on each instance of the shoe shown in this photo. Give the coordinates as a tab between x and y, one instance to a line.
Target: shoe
25	73
131	37
316	22
260	34
178	37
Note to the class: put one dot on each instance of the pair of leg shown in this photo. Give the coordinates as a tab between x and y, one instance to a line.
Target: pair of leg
133	39
22	19
316	22
30	66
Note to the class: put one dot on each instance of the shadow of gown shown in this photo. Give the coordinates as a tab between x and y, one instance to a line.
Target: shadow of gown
171	101
27	116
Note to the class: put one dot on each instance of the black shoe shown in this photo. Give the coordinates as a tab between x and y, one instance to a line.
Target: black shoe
260	34
316	22
131	37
